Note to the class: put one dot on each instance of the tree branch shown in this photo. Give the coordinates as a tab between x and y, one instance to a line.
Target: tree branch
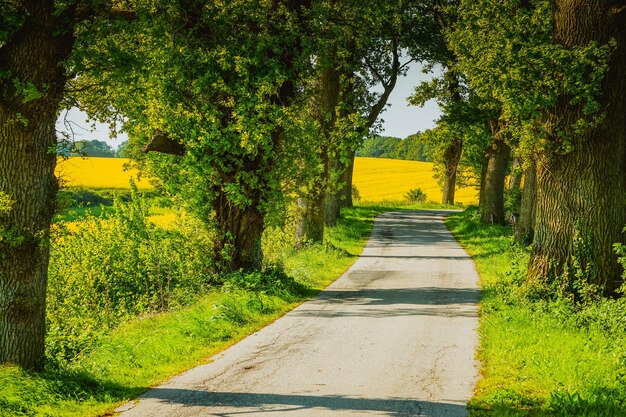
163	143
388	88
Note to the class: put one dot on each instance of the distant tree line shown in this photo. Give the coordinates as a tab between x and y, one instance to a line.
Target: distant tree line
96	148
412	148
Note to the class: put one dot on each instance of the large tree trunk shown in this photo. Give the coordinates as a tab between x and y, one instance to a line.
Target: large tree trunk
32	55
311	213
492	203
452	156
238	243
525	227
27	177
515	179
580	195
333	193
346	200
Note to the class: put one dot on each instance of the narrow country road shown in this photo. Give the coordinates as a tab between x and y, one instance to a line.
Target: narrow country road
394	336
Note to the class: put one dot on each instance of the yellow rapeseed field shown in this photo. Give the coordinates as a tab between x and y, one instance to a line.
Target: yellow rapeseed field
381	179
377	179
97	173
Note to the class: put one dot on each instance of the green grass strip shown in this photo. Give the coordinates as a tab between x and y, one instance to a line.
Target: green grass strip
540	356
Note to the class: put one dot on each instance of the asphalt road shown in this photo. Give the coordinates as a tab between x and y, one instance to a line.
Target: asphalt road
394	336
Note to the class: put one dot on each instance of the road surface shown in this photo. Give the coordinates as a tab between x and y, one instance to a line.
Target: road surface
394	336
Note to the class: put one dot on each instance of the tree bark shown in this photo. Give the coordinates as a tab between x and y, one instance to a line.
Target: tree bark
525	227
580	195
238	242
346	200
31	56
310	225
452	156
495	175
515	178
311	214
333	196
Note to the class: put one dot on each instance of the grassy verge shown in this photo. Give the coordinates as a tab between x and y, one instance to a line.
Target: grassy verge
145	351
541	355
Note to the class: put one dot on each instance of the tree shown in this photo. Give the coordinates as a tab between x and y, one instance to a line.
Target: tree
412	148
379	147
367	43
495	170
557	70
208	98
579	217
450	93
122	150
36	39
93	148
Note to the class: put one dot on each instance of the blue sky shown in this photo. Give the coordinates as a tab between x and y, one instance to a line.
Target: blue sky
400	119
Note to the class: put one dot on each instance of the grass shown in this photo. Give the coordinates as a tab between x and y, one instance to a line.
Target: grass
145	351
540	355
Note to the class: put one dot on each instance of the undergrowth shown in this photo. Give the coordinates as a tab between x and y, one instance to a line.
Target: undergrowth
131	304
542	353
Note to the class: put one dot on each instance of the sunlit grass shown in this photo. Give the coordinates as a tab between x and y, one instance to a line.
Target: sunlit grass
540	357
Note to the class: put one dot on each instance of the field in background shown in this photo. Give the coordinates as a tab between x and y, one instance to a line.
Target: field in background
377	179
97	173
381	179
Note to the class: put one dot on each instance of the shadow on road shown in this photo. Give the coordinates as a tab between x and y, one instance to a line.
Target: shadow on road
283	403
442	302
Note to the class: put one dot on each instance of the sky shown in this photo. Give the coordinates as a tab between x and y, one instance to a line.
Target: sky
400	119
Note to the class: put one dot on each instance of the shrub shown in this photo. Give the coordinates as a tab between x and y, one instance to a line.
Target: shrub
109	270
273	281
356	196
416	195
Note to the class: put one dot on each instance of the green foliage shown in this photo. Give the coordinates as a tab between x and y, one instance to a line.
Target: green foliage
378	147
8	235
507	52
356	195
111	269
620	249
147	349
411	148
416	195
269	281
94	147
541	354
219	83
512	200
5	208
